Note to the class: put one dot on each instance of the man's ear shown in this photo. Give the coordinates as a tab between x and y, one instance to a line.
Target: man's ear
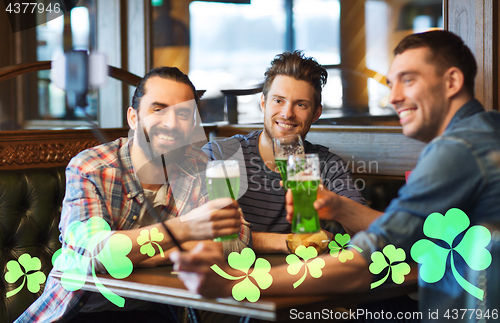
454	80
132	118
263	103
317	113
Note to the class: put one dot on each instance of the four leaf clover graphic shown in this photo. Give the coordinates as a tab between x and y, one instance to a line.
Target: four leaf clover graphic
147	244
379	263
295	264
433	257
245	288
339	245
30	273
84	245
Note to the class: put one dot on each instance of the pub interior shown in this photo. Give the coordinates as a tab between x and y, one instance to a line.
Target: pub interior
224	46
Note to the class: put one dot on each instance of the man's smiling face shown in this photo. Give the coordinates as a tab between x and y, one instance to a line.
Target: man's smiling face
418	94
165	118
289	107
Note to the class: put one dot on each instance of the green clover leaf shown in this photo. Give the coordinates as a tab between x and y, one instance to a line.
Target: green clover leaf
295	264
242	261
31	273
306	253
113	256
86	243
339	245
14	272
397	271
261	273
432	258
147	244
245	288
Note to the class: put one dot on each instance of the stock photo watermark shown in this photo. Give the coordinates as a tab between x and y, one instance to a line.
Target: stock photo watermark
28	14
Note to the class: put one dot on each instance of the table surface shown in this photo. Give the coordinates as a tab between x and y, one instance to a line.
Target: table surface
160	285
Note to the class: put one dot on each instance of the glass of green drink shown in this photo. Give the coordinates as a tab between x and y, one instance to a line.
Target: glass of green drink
303	180
223	180
284	147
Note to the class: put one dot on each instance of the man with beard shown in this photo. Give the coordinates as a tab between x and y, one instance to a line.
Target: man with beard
133	184
291	102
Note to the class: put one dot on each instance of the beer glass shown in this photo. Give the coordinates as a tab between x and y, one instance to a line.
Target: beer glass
303	180
284	147
223	180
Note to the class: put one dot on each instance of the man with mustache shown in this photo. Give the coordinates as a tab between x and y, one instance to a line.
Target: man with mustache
133	184
291	102
432	90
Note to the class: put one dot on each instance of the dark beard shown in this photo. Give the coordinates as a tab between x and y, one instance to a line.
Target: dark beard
148	173
153	154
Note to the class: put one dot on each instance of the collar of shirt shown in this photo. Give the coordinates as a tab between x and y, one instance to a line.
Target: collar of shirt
181	176
470	108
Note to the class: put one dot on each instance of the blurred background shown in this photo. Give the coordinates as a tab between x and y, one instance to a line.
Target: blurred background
222	45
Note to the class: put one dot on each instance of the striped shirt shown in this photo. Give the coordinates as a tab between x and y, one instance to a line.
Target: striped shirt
263	202
96	185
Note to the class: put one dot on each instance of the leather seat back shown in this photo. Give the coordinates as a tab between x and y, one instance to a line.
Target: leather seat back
30	209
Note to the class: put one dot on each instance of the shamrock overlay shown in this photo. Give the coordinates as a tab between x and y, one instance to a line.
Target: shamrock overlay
433	257
295	264
339	245
147	244
396	265
86	243
245	288
30	272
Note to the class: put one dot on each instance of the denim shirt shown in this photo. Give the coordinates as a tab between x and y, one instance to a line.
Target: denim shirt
455	170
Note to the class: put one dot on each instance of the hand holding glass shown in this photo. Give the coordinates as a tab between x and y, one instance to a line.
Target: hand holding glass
283	148
303	180
223	180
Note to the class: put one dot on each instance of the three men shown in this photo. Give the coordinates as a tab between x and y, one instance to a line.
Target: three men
432	86
132	185
291	102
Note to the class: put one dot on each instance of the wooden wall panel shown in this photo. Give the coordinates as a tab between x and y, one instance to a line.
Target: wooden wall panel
476	21
52	148
47	148
371	150
385	149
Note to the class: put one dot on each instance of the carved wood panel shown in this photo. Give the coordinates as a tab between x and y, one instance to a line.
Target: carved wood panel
47	148
28	154
53	148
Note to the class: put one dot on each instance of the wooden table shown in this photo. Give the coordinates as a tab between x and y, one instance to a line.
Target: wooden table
161	286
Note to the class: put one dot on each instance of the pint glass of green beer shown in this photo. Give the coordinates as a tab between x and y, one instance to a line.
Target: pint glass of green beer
223	180
284	147
303	180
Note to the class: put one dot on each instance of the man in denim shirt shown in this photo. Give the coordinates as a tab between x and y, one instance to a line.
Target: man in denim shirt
432	87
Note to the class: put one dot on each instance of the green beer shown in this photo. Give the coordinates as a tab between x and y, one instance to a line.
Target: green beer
305	216
303	180
284	147
220	187
223	180
281	164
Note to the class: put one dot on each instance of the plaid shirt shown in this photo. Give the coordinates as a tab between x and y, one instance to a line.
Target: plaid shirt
96	185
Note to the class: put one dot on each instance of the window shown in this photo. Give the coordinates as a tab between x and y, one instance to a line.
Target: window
112	27
50	46
231	46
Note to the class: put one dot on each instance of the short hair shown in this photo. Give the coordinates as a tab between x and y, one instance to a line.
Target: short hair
301	68
447	50
169	73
